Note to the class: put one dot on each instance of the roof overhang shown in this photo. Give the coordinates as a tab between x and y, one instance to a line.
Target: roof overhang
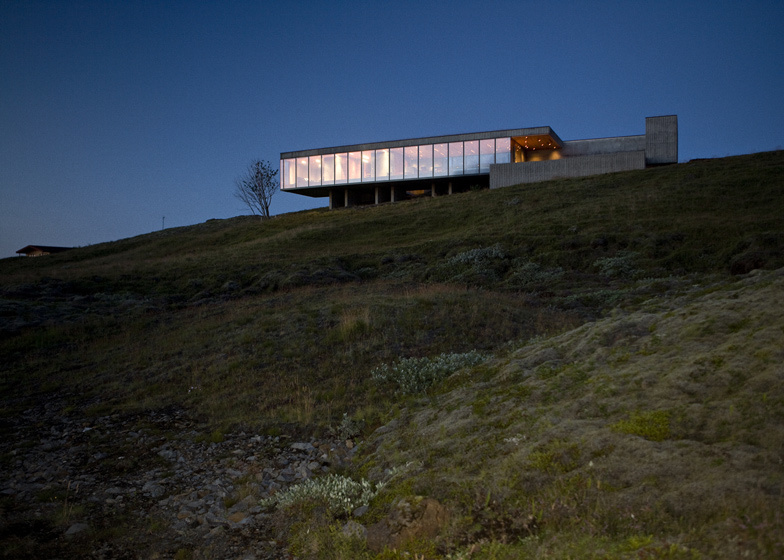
544	132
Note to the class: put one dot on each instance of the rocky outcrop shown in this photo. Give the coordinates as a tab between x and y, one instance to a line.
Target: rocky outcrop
111	483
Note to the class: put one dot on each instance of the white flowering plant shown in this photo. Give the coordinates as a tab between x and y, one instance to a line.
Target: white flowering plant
479	256
340	494
415	375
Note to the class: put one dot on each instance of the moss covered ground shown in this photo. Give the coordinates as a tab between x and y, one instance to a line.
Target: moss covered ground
630	400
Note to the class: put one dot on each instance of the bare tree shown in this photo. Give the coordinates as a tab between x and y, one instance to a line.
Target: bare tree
256	187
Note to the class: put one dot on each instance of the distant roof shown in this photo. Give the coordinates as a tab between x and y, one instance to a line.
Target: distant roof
42	249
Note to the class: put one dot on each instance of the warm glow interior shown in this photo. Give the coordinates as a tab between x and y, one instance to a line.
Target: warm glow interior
393	164
537	147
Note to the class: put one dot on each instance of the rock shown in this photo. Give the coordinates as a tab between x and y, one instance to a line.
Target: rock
175	479
360	511
352	529
153	489
75	529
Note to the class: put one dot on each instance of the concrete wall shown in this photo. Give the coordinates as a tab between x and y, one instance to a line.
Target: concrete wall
580	158
661	140
573	148
508	174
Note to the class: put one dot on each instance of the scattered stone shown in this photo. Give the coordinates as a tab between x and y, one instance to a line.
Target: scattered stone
236	517
153	489
355	530
75	529
184	486
360	511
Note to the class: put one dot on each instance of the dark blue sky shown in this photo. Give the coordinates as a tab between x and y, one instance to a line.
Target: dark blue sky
115	114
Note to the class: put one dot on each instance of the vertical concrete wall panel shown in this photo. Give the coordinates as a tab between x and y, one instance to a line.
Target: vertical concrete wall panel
661	140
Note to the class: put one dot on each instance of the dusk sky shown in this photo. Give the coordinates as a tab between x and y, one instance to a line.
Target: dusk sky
116	114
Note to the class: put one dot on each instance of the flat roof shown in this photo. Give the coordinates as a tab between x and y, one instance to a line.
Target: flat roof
539	131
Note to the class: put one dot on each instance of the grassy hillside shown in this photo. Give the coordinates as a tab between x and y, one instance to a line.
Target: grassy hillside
629	397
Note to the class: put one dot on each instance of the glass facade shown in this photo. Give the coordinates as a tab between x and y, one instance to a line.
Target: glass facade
486	155
354	167
440	162
503	150
368	166
412	161
394	164
426	161
302	172
471	157
341	168
382	165
289	174
328	169
456	158
315	171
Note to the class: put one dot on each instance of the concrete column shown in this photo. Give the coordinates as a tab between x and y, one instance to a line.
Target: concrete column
661	140
450	187
392	194
351	197
433	193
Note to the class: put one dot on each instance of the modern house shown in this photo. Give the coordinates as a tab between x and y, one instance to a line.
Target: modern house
391	171
40	250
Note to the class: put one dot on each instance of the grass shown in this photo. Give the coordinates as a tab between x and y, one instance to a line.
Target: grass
630	401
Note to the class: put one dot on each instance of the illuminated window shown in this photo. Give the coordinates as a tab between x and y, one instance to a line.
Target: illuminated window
315	170
455	158
486	155
411	154
426	160
472	156
354	167
289	173
341	168
368	165
328	169
396	164
302	172
440	160
503	150
382	165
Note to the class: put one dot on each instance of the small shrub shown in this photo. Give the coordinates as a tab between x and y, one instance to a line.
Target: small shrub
479	256
621	265
415	375
654	425
340	494
531	275
348	427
